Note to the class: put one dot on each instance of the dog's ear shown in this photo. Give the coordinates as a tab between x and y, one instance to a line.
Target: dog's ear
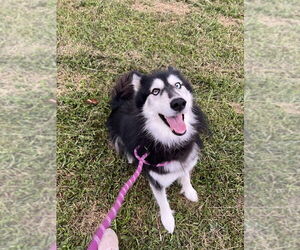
136	80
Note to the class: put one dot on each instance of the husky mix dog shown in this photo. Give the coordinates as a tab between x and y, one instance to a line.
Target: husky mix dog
156	113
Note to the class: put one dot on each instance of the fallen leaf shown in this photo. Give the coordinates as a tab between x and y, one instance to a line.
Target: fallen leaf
52	101
92	101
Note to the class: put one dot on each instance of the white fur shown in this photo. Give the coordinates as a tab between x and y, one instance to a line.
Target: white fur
172	79
157	84
116	144
136	82
177	171
160	104
187	189
129	158
166	215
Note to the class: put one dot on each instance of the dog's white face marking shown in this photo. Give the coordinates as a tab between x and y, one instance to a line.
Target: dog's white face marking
158	104
172	79
182	92
157	83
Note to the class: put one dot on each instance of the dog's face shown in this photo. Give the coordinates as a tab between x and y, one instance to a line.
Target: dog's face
166	102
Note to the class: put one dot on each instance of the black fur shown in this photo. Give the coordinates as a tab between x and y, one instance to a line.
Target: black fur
126	122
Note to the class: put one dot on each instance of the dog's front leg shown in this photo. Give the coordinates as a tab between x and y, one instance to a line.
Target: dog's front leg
185	180
166	215
187	189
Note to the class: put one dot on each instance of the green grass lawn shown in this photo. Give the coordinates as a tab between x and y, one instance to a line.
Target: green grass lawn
98	41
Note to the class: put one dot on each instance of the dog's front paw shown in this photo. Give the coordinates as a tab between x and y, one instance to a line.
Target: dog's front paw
168	221
191	194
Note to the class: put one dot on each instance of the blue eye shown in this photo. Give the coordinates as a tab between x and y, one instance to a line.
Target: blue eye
155	91
178	85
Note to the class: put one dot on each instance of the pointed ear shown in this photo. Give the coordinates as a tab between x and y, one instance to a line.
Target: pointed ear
136	80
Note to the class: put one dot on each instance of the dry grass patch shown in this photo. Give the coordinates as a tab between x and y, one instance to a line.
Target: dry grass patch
290	108
23	82
135	54
228	21
64	76
177	8
237	107
138	220
71	49
272	21
89	219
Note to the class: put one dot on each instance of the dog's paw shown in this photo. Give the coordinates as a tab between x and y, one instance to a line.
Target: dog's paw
191	194
168	221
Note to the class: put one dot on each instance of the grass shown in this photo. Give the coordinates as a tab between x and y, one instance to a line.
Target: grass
27	121
272	125
98	41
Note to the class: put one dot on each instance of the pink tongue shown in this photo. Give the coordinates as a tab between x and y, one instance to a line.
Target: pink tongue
177	124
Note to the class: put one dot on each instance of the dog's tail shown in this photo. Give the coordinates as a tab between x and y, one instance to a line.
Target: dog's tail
123	90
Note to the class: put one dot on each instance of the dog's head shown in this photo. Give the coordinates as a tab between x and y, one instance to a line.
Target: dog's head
165	100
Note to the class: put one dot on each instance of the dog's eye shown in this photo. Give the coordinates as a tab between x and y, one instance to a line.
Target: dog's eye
178	85
155	91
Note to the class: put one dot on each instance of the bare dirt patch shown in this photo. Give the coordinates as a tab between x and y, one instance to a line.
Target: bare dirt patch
177	8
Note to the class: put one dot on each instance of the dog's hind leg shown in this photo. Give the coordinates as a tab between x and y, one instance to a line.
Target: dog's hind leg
129	158
166	214
118	145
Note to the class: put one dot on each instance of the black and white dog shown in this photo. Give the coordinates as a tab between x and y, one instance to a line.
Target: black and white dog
157	114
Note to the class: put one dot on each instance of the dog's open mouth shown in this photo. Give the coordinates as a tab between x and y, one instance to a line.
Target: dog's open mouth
175	123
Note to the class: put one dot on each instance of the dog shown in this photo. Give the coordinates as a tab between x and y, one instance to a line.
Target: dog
156	113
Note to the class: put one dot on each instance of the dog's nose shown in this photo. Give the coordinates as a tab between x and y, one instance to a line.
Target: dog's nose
178	104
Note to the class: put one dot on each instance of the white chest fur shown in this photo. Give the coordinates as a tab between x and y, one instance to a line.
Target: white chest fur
177	169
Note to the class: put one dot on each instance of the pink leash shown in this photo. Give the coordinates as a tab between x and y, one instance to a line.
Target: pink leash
120	199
